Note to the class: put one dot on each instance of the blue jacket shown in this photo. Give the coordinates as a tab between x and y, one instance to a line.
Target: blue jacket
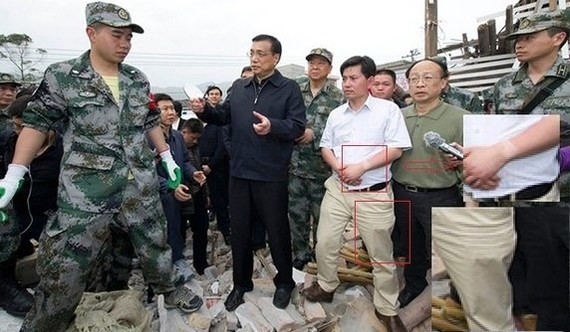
212	145
254	157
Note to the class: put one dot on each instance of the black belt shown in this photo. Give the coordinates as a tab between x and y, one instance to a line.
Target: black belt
527	194
374	187
415	189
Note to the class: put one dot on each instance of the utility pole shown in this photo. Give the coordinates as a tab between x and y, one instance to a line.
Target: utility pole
431	27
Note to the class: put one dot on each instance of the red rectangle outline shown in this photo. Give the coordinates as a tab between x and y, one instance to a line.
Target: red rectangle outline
355	221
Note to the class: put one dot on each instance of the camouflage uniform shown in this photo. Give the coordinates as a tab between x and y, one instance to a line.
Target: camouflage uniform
6	79
539	270
9	234
9	229
462	98
308	171
107	176
511	91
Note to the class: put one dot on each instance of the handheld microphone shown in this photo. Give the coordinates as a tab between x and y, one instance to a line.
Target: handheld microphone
435	140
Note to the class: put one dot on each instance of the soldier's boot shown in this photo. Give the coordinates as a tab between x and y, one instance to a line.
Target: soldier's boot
14	298
182	298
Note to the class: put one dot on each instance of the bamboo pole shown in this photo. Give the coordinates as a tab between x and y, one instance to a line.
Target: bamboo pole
342	270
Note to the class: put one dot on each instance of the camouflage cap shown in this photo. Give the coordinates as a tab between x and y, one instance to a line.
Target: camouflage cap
541	21
6	78
111	15
322	52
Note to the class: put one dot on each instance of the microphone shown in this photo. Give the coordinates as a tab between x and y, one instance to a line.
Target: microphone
435	140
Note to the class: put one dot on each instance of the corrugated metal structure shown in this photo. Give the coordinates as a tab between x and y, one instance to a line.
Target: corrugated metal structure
477	64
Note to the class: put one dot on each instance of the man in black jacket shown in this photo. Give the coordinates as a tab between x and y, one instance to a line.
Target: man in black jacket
266	114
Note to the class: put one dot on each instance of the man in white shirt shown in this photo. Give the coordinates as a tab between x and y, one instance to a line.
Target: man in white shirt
360	140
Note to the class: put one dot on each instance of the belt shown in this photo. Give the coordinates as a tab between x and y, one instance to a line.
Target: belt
374	187
529	193
415	189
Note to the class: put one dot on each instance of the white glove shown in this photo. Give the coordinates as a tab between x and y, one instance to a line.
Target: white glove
11	183
172	170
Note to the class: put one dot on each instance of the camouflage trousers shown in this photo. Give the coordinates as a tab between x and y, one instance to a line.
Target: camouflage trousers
305	197
9	234
67	254
113	266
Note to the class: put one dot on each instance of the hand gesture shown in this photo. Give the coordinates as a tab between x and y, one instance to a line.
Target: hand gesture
199	177
182	193
480	166
263	127
352	174
307	137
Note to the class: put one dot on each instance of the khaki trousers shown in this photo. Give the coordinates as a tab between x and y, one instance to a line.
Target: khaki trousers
476	246
373	215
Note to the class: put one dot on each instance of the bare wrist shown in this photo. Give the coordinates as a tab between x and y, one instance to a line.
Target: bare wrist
507	150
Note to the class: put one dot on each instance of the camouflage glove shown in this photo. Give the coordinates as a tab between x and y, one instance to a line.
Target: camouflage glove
172	170
11	183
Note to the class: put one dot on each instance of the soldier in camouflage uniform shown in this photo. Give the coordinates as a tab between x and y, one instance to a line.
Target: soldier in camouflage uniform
107	173
539	272
308	171
9	233
8	87
13	298
462	98
459	97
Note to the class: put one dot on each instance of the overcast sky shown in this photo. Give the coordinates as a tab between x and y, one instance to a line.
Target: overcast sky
194	41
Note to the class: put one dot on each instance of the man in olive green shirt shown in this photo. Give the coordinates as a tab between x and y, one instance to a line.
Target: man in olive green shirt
421	175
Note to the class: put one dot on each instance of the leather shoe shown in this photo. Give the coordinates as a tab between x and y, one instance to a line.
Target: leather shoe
406	297
234	300
281	298
392	323
316	294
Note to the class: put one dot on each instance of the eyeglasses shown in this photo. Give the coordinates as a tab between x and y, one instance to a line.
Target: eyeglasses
257	54
427	79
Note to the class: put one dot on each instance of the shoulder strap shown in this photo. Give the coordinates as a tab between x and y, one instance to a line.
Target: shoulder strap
544	93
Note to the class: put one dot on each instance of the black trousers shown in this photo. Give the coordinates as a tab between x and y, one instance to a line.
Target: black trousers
199	225
269	201
418	251
218	182
539	272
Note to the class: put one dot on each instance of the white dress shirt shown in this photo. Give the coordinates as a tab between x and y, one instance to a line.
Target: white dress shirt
358	135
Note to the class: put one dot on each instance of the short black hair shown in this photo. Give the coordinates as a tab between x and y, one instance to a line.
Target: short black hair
246	68
162	96
275	43
367	65
18	106
554	30
213	87
193	125
443	66
386	71
177	107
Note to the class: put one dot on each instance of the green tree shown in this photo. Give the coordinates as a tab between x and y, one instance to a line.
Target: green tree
17	49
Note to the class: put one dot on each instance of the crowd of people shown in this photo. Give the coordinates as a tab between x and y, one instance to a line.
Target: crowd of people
93	162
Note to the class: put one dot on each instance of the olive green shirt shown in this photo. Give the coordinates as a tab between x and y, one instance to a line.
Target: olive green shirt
423	165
